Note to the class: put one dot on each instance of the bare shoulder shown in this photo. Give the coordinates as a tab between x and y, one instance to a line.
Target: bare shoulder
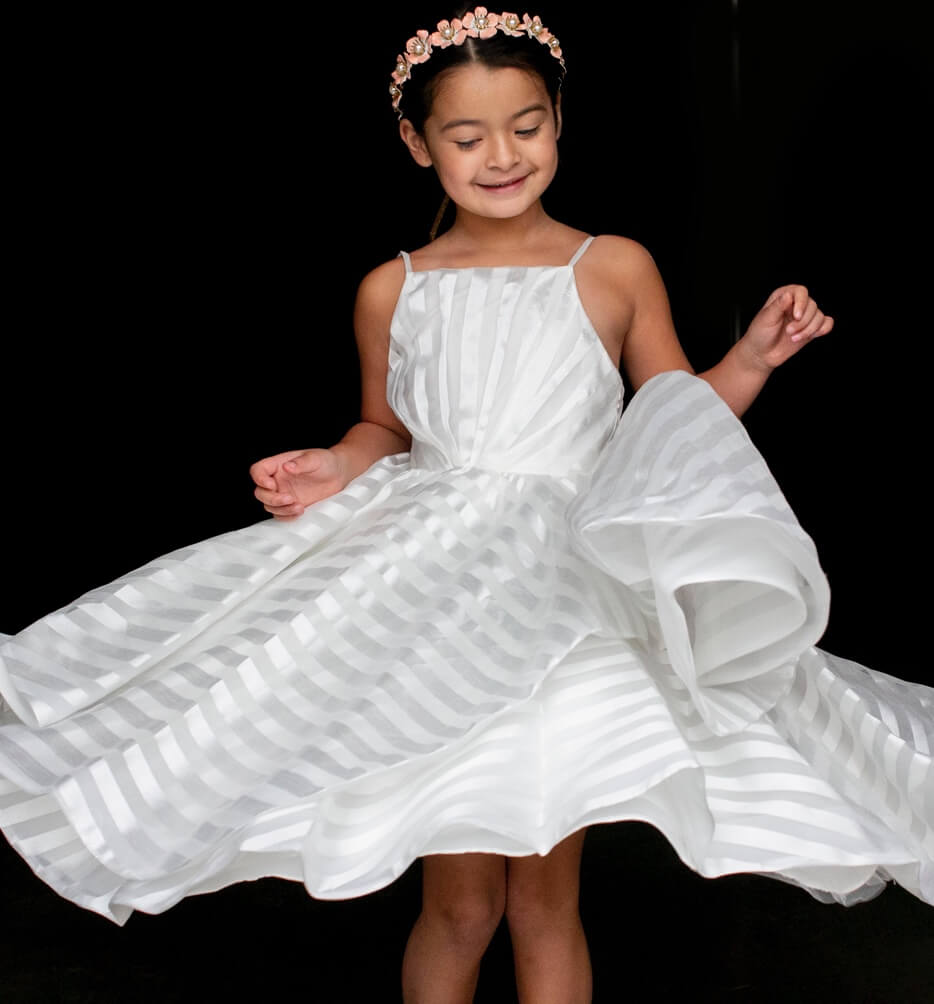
622	256
627	272
379	289
649	342
622	270
609	276
377	296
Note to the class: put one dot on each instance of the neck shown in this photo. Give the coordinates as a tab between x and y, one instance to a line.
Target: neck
482	232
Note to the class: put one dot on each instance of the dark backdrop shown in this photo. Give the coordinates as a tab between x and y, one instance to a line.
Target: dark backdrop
203	192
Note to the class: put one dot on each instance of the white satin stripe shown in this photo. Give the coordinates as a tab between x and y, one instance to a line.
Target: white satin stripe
540	618
683	508
500	368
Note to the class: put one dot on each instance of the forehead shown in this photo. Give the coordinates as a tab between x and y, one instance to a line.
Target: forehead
467	91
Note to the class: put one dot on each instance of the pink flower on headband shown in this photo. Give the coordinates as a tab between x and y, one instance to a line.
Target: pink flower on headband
449	33
481	23
536	30
509	24
478	23
534	26
401	73
418	49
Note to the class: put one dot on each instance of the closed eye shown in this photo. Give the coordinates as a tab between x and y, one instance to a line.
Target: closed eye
469	144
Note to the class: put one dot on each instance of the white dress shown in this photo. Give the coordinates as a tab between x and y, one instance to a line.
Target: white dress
543	616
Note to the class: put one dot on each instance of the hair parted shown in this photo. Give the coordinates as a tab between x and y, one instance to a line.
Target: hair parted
492	40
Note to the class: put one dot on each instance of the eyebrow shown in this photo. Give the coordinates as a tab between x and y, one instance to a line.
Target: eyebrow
475	122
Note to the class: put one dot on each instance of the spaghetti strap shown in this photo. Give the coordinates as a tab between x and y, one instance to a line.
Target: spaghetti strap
580	251
407	260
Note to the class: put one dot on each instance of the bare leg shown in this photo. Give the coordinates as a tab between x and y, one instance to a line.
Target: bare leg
542	893
463	896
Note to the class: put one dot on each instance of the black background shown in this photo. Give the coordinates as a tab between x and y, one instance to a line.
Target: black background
197	196
201	196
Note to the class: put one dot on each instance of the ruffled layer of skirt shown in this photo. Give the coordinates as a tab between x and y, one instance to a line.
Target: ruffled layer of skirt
470	660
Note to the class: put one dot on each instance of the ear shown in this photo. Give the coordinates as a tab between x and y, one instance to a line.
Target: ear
416	143
558	119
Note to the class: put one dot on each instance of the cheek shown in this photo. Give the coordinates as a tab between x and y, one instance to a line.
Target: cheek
456	168
547	153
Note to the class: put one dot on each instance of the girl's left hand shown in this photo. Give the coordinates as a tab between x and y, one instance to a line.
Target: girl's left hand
789	320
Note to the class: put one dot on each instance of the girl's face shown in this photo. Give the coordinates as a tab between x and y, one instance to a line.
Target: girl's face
491	137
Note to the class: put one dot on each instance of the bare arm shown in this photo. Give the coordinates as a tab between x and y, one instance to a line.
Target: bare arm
362	445
787	322
736	379
288	483
379	432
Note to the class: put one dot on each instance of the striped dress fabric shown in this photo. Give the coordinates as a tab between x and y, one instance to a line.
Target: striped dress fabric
547	614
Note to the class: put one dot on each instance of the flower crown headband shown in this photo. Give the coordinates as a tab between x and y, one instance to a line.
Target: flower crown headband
479	23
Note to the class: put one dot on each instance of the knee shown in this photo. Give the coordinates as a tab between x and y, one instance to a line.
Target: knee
468	918
535	908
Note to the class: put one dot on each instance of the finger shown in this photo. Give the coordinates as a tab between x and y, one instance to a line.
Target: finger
825	328
811	330
279	511
262	473
778	304
800	299
273	498
305	462
806	317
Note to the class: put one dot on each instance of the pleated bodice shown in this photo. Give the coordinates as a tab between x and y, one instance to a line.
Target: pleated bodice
495	367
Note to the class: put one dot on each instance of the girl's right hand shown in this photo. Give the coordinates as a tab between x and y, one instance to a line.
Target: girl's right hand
288	482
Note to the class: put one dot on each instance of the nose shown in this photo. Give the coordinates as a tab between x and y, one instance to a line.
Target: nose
502	151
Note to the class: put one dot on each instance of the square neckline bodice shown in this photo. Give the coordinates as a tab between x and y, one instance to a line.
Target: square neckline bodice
574	259
590	327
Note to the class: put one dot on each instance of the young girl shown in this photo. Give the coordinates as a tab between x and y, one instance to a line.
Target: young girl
496	612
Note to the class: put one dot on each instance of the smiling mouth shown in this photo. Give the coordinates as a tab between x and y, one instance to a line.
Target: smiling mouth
503	185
